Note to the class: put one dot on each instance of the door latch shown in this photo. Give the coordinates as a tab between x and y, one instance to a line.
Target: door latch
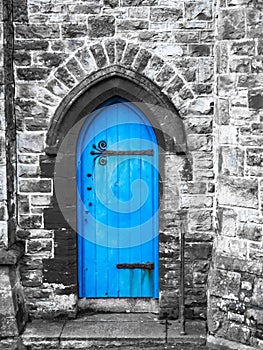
146	266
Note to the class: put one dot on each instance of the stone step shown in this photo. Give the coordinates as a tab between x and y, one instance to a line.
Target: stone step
113	331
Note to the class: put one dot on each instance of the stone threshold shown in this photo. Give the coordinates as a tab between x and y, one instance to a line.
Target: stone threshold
111	330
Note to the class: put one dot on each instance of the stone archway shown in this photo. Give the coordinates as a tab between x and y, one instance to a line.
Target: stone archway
78	103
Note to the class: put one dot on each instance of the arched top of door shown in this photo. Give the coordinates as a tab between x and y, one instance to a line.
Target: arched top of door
134	87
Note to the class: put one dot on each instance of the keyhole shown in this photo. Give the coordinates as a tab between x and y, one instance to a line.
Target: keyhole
89	175
89	188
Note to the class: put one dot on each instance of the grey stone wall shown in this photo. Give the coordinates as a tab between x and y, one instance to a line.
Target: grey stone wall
235	286
12	308
3	188
57	45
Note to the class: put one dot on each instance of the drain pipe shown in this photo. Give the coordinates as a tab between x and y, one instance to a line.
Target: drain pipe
182	276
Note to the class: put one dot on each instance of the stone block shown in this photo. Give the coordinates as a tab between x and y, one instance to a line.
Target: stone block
199	50
238	333
20	11
202	105
8	326
39	247
254	315
23	204
139	12
87	9
29	108
120	46
35	185
225	284
110	49
40	200
232	316
85	59
201	143
244	47
227	221
67	45
195	251
142	60
196	201
22	58
238	192
194	188
200	220
165	75
222	57
111	3
32	73
199	10
74	30
254	162
30	221
131	25
50	59
175	85
231	24
199	125
254	23
257	296
139	2
185	93
241	65
37	31
255	129
99	55
56	88
231	161
257	64
30	142
31	45
63	75
129	54
101	26
227	134
75	69
165	14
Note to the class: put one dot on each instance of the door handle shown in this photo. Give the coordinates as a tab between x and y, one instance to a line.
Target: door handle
146	266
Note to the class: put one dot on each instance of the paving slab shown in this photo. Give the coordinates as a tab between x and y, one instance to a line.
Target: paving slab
193	329
118	327
118	317
43	329
114	331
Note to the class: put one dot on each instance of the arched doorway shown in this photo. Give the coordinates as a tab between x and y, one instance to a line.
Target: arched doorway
60	164
117	203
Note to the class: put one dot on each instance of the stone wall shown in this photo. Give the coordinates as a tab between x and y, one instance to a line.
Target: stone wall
3	189
57	45
12	309
236	283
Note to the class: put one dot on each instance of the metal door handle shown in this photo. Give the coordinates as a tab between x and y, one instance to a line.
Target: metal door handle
146	266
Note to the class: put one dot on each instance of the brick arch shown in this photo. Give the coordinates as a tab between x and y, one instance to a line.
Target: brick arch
116	58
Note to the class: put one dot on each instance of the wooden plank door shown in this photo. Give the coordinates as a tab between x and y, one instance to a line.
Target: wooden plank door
117	186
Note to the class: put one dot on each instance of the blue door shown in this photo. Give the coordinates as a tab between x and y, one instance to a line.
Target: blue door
117	191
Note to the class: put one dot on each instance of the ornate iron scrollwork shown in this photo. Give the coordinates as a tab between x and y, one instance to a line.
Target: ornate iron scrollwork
102	153
99	152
